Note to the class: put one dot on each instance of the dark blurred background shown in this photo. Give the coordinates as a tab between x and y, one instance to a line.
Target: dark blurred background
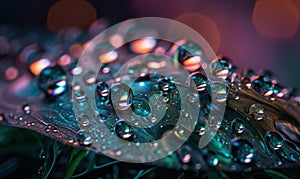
261	34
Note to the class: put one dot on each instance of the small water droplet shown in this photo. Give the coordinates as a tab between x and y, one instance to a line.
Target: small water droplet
256	111
83	120
212	160
200	81
166	85
242	150
53	81
83	140
26	108
89	78
238	126
274	140
221	67
184	154
219	90
120	96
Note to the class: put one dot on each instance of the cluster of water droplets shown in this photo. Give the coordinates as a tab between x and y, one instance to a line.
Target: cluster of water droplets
261	121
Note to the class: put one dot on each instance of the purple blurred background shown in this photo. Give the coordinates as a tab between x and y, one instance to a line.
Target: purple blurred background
262	34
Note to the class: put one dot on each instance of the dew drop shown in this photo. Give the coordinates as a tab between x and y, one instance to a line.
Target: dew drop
274	140
219	90
166	85
140	107
256	111
221	67
89	78
238	126
123	130
83	140
52	81
200	81
83	120
242	150
121	96
26	108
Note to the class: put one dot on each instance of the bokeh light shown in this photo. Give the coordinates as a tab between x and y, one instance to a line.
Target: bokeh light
276	19
66	13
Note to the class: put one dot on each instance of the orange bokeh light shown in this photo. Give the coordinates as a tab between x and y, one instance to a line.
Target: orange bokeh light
66	13
204	26
276	19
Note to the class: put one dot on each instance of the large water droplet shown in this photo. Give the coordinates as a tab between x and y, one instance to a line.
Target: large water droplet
53	81
190	60
256	111
274	140
123	130
140	107
242	150
200	81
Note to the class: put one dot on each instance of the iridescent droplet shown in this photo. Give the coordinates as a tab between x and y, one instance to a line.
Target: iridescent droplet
83	140
120	96
123	130
242	150
274	140
256	111
200	81
221	67
102	89
166	85
263	85
53	81
238	126
219	91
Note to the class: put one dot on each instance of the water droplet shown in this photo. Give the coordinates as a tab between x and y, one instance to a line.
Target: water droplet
263	85
164	98
123	130
155	61
83	120
89	78
200	81
219	90
274	140
191	59
79	96
212	160
256	111
242	150
140	107
200	130
52	80
108	57
26	108
184	154
221	67
102	89
238	126
166	85
86	141
121	96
